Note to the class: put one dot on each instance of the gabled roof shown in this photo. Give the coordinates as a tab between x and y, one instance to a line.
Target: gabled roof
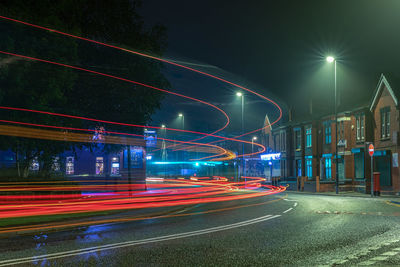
383	82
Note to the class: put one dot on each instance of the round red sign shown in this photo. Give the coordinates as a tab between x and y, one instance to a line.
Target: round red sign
371	149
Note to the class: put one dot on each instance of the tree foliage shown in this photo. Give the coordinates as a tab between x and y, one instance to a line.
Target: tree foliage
41	86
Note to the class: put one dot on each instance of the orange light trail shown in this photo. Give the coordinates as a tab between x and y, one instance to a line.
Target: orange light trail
124	196
161	60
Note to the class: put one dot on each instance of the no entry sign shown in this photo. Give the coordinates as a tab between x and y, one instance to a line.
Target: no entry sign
371	150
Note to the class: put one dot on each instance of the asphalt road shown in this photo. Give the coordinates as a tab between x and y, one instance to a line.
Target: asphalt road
288	229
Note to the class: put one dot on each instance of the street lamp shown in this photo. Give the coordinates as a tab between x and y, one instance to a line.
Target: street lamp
252	143
183	120
241	95
331	59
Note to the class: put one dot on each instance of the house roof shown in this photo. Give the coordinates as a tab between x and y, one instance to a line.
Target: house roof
391	82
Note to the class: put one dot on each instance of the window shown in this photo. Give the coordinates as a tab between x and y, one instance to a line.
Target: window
385	122
276	142
308	137
328	131
298	167
309	167
360	120
99	165
283	168
283	141
69	165
340	130
267	140
297	139
328	168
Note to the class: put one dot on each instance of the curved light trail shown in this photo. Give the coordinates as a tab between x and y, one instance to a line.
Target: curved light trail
123	196
162	60
89	197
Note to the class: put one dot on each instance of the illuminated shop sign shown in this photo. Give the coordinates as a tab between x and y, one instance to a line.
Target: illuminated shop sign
271	156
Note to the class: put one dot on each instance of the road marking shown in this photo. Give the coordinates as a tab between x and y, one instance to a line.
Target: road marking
391	253
77	252
295	204
397	249
379	258
375	248
367	263
288	210
289	200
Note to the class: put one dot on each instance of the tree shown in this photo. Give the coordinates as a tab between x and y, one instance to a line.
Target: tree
41	86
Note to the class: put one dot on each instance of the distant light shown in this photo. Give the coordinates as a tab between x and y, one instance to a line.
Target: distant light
330	59
185	162
197	164
148	157
180	115
239	94
162	125
271	156
254	137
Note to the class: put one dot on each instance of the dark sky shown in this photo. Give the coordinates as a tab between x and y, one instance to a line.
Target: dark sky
281	45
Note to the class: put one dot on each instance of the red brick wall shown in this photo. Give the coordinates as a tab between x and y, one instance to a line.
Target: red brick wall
386	100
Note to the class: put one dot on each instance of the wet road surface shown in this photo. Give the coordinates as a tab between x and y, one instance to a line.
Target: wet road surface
284	229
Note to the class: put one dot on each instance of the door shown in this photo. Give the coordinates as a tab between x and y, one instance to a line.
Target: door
382	165
359	165
341	168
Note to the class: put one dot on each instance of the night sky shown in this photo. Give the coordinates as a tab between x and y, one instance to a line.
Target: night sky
281	45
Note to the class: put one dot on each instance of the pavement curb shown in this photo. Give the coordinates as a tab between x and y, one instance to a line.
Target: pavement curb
382	197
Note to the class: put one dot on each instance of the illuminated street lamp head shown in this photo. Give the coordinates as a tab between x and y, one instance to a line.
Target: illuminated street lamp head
180	115
239	94
254	137
330	59
162	125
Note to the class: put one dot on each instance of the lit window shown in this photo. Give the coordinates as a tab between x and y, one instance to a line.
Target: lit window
328	168
99	165
309	167
69	165
328	131
308	137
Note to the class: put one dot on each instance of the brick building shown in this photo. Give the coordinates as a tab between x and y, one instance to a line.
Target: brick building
308	147
385	110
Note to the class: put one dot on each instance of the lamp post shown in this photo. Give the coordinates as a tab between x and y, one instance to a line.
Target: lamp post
163	147
183	120
183	128
331	59
241	95
252	143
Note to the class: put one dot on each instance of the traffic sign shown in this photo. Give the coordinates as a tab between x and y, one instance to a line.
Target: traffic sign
371	150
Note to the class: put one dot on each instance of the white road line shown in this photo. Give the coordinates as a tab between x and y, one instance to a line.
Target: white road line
390	253
367	263
397	249
379	258
295	204
77	252
289	200
288	210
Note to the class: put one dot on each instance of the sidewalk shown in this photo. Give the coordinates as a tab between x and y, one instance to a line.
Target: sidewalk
347	194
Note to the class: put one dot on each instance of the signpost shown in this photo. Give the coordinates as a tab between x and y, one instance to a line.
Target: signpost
371	154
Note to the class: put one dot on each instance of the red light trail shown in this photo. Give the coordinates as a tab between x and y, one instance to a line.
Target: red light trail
158	59
56	199
96	198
